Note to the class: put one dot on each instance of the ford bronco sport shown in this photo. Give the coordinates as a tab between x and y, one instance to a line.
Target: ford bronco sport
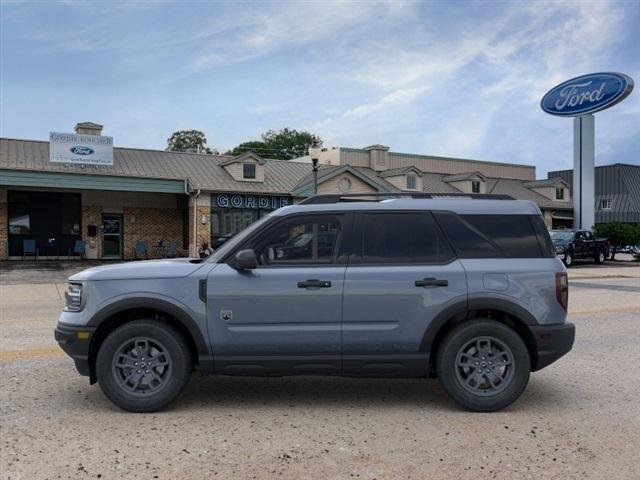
468	290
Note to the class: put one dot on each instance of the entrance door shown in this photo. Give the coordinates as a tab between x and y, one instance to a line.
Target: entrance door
111	235
285	315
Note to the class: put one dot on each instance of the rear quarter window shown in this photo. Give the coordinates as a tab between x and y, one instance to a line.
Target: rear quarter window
497	236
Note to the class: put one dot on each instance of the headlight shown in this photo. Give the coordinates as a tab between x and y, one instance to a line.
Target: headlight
73	297
559	249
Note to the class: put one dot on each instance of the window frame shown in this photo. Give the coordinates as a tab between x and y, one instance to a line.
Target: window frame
473	184
354	257
244	172
414	178
609	204
339	258
559	193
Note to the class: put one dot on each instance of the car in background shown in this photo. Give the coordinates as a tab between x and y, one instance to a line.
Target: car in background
571	245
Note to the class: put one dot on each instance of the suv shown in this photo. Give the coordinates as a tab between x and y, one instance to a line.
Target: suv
465	289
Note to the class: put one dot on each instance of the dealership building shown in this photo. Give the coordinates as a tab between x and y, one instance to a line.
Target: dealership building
79	188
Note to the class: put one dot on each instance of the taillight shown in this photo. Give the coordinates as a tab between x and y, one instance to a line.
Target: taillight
562	289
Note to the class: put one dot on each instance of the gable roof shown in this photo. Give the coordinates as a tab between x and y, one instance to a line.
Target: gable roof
547	182
243	157
394	172
325	172
463	176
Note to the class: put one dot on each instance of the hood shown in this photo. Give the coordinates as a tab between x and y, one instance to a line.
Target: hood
165	268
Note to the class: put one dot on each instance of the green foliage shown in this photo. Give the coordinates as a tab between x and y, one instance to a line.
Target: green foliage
283	144
619	234
188	141
255	146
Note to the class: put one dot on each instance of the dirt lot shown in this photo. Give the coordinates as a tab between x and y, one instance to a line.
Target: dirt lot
579	418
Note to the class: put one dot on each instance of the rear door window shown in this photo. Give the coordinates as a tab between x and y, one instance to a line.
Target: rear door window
394	238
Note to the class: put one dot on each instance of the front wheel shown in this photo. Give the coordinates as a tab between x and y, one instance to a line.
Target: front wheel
600	257
143	365
483	365
568	260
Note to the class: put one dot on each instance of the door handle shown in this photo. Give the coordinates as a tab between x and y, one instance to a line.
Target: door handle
431	282
314	283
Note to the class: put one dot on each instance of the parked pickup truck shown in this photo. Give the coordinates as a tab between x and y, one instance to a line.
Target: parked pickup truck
571	245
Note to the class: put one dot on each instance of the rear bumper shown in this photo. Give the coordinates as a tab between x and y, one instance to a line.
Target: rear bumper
74	345
552	341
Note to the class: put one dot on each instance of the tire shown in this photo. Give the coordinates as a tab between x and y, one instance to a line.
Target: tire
470	389
163	374
568	260
600	257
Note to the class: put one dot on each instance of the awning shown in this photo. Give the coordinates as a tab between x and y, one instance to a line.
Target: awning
30	178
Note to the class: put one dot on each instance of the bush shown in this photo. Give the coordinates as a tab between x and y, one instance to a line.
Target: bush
619	234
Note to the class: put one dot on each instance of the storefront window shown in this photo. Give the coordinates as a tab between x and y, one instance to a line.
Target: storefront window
70	214
19	217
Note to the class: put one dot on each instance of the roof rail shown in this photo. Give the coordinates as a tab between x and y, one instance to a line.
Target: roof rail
377	197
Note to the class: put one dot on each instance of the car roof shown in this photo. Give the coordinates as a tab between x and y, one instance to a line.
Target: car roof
467	206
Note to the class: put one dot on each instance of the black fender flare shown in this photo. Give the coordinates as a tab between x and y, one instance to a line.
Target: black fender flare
205	359
463	307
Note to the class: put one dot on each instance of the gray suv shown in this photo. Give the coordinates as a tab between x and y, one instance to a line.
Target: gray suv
468	290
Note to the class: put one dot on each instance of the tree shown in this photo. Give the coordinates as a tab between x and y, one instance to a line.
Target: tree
255	146
283	144
619	234
188	141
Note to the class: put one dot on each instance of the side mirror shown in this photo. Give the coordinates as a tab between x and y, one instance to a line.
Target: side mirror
245	260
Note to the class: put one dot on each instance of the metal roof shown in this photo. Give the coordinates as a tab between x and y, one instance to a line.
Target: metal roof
202	170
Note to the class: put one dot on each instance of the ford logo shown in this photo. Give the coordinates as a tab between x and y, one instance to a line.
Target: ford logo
587	94
78	150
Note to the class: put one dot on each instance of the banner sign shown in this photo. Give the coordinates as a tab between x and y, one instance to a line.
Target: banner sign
238	200
80	149
587	94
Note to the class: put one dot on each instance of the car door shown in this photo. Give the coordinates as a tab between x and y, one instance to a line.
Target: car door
579	245
402	273
285	315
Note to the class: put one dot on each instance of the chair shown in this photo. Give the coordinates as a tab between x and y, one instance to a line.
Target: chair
141	248
78	249
29	248
172	250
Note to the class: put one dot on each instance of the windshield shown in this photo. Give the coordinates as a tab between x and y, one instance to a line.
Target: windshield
566	236
230	244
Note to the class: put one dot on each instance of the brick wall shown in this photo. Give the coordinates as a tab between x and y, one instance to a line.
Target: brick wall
4	224
151	224
203	230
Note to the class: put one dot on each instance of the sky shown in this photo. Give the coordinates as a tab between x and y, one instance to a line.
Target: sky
448	78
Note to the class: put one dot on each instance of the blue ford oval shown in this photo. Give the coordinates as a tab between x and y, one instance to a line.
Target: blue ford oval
80	150
587	94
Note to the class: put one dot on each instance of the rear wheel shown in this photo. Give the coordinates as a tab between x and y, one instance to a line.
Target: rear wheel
143	365
483	365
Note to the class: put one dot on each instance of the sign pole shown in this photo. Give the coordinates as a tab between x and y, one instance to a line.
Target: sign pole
583	172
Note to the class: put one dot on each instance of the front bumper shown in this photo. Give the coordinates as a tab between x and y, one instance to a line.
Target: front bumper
552	341
75	341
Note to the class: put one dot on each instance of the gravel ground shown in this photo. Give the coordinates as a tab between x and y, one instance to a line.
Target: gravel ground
578	418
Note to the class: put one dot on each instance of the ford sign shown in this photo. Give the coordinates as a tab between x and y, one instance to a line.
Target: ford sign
79	150
587	94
